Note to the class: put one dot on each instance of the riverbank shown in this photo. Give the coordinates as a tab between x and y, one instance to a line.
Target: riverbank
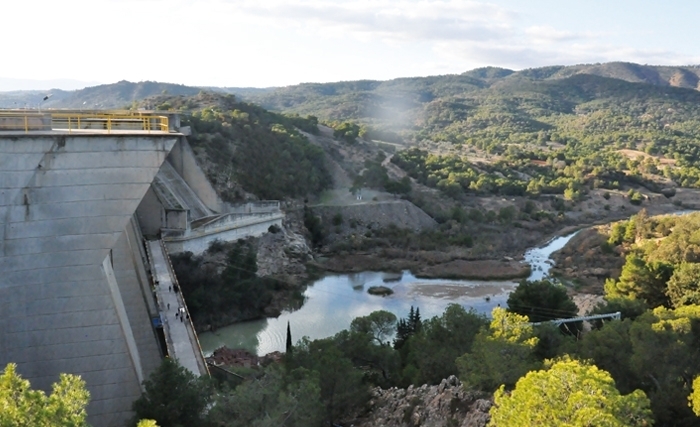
495	263
504	269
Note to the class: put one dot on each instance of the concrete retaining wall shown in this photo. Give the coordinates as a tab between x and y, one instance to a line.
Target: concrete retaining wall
255	207
197	244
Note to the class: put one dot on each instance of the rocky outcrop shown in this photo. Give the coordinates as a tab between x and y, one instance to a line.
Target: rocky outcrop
584	259
228	357
282	253
447	404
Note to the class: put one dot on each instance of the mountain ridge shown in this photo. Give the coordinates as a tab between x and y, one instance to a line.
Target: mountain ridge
123	93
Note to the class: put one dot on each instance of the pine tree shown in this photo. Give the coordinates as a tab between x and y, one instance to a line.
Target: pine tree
289	338
407	327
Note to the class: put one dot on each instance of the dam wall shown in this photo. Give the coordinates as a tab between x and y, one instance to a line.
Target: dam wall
74	292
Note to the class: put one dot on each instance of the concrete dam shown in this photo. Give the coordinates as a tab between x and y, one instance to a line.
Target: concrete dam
81	290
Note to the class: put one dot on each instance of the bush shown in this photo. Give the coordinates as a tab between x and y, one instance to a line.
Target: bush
216	246
635	197
607	248
542	300
313	224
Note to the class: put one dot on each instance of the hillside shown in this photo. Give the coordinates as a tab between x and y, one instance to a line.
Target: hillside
248	152
398	103
109	96
364	99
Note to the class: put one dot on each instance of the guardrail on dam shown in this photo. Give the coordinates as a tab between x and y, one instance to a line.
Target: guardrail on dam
74	293
78	121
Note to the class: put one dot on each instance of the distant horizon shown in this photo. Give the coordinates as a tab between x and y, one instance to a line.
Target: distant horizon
22	85
275	43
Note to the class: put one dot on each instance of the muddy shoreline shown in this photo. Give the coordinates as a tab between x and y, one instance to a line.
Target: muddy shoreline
454	269
505	266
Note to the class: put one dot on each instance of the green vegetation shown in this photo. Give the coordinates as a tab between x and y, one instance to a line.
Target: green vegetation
277	398
347	131
541	300
263	152
561	132
630	372
569	393
694	398
500	354
233	295
22	406
174	397
313	225
662	255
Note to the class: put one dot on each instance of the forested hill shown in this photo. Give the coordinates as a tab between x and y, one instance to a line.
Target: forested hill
109	96
401	103
245	149
555	130
366	99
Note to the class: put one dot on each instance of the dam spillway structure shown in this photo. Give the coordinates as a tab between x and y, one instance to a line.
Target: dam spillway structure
75	295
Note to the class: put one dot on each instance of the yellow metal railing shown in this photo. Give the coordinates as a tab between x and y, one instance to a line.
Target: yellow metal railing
30	121
109	122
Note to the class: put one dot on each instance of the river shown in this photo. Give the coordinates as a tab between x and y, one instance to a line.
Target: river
332	302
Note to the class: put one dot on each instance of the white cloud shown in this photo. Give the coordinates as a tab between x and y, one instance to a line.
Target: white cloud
524	54
400	20
280	42
461	34
547	34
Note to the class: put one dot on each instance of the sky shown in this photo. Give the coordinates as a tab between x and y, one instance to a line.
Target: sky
261	43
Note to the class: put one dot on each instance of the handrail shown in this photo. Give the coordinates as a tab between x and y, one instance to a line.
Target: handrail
201	361
29	121
169	345
109	122
615	316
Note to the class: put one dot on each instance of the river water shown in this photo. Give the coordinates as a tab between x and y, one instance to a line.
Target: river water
332	302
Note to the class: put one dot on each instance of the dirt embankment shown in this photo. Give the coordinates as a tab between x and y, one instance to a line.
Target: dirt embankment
374	215
427	265
585	260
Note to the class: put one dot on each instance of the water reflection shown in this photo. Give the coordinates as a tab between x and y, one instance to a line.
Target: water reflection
333	302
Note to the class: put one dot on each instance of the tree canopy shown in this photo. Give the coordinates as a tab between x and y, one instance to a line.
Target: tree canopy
541	300
173	397
22	406
500	354
569	393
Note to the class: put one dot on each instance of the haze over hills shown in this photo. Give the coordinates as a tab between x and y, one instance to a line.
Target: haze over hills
108	96
12	84
381	101
401	93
